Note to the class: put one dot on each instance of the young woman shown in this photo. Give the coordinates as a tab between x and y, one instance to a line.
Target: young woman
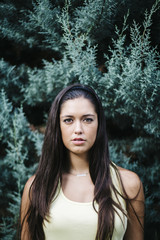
77	191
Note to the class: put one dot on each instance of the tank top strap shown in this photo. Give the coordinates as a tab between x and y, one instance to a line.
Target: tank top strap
116	180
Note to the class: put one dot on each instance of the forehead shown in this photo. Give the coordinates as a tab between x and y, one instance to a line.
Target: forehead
79	105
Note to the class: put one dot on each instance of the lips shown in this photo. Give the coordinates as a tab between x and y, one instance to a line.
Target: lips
78	141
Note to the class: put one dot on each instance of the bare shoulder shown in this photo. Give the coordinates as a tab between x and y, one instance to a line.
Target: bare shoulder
131	182
25	197
29	182
25	204
28	185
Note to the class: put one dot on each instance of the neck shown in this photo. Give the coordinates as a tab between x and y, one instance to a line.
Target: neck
78	164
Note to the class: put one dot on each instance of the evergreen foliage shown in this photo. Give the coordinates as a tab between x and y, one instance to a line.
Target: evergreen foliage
18	164
51	44
12	79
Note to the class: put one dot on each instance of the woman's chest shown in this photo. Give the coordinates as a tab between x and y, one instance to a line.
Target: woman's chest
71	220
78	188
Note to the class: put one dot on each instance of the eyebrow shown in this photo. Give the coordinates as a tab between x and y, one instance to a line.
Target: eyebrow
85	115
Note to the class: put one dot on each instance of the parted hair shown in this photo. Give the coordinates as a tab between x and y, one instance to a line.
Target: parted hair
53	163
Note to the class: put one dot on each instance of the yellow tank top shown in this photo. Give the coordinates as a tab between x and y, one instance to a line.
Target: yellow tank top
70	220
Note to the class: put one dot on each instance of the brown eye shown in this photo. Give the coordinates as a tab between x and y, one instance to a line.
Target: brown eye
68	120
88	120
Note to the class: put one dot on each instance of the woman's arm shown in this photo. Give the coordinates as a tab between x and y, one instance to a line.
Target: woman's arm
135	207
24	208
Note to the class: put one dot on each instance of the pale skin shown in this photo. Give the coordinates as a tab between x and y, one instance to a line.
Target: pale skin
79	123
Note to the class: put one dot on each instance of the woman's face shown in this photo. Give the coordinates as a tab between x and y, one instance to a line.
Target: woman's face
78	124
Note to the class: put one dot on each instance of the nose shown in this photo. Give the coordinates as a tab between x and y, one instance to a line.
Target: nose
78	128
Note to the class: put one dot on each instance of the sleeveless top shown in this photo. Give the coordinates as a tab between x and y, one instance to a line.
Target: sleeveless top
70	220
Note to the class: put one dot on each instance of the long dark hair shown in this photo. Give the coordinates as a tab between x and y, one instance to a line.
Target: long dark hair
52	165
